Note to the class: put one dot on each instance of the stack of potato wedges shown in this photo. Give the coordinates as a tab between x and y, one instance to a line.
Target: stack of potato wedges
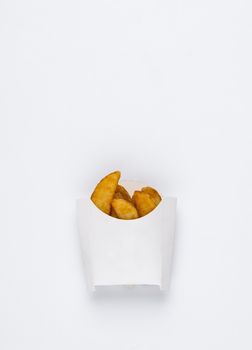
113	199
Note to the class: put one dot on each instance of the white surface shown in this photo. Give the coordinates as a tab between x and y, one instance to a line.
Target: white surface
161	90
127	252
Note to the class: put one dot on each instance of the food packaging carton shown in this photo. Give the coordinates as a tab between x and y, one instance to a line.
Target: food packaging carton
127	252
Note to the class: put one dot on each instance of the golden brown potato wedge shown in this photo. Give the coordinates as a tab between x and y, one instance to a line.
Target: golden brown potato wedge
143	202
113	213
105	190
124	209
122	193
153	193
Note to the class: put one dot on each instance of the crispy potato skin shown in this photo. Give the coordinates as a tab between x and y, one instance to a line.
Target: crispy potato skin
122	193
153	193
124	209
113	213
143	202
104	191
113	199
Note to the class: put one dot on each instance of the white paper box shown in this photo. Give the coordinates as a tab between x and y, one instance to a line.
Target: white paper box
127	252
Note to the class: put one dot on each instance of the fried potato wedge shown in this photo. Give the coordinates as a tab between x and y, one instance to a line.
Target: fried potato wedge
143	202
113	213
105	190
153	193
124	209
122	193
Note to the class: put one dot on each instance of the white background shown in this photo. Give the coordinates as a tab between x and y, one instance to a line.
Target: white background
162	91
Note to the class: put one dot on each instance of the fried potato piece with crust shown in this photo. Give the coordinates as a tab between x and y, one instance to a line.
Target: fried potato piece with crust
113	213
105	190
143	202
124	209
122	193
153	193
